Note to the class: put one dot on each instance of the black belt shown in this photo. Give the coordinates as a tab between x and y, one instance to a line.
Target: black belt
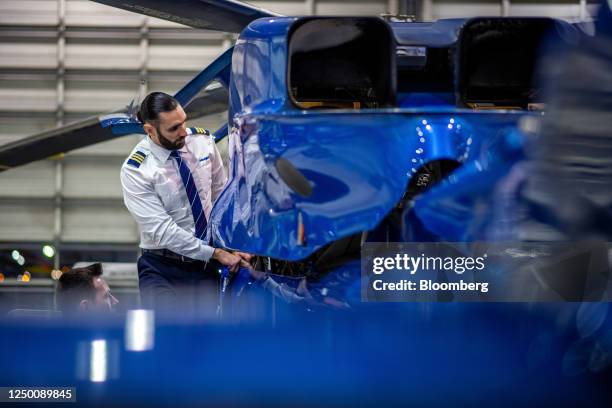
166	253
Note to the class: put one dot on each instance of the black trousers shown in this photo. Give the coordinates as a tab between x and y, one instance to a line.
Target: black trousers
178	289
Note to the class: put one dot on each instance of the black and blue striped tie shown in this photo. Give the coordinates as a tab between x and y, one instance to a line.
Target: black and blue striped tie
192	194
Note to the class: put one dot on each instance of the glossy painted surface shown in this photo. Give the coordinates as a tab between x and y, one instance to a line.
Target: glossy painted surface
259	67
462	208
358	163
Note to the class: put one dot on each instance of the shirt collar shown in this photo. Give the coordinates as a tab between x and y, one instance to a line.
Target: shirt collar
161	153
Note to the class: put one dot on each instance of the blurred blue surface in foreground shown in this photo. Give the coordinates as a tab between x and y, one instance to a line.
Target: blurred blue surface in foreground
417	354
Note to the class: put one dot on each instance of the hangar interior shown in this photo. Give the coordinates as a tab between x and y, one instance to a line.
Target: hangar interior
65	60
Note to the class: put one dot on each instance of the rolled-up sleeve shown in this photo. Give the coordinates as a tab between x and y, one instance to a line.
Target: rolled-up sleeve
156	226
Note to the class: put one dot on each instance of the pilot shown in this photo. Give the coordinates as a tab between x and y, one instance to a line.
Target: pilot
170	181
82	290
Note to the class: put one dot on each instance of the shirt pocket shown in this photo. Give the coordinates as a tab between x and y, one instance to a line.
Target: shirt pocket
204	174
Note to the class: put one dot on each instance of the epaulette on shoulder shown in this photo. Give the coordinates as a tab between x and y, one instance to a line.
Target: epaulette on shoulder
136	159
199	131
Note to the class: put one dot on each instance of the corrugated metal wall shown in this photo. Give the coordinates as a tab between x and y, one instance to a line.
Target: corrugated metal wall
572	10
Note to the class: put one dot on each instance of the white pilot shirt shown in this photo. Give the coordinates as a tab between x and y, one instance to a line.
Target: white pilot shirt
154	193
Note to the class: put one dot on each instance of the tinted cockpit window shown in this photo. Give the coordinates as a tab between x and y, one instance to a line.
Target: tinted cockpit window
341	63
497	61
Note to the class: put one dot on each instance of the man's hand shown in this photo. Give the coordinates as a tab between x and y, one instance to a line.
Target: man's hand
244	255
227	259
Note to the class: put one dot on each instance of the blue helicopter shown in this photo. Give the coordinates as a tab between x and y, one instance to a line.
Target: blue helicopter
344	130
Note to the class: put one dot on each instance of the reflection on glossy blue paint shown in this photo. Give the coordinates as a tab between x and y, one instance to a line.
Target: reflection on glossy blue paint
358	162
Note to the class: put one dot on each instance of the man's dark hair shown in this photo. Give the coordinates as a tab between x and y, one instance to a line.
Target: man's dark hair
74	286
154	104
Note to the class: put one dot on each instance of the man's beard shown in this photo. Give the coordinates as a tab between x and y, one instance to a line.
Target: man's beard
167	143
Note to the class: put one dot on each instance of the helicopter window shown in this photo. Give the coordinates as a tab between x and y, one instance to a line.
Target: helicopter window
341	63
497	60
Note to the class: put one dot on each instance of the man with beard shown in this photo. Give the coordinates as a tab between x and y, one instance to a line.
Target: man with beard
170	181
81	291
